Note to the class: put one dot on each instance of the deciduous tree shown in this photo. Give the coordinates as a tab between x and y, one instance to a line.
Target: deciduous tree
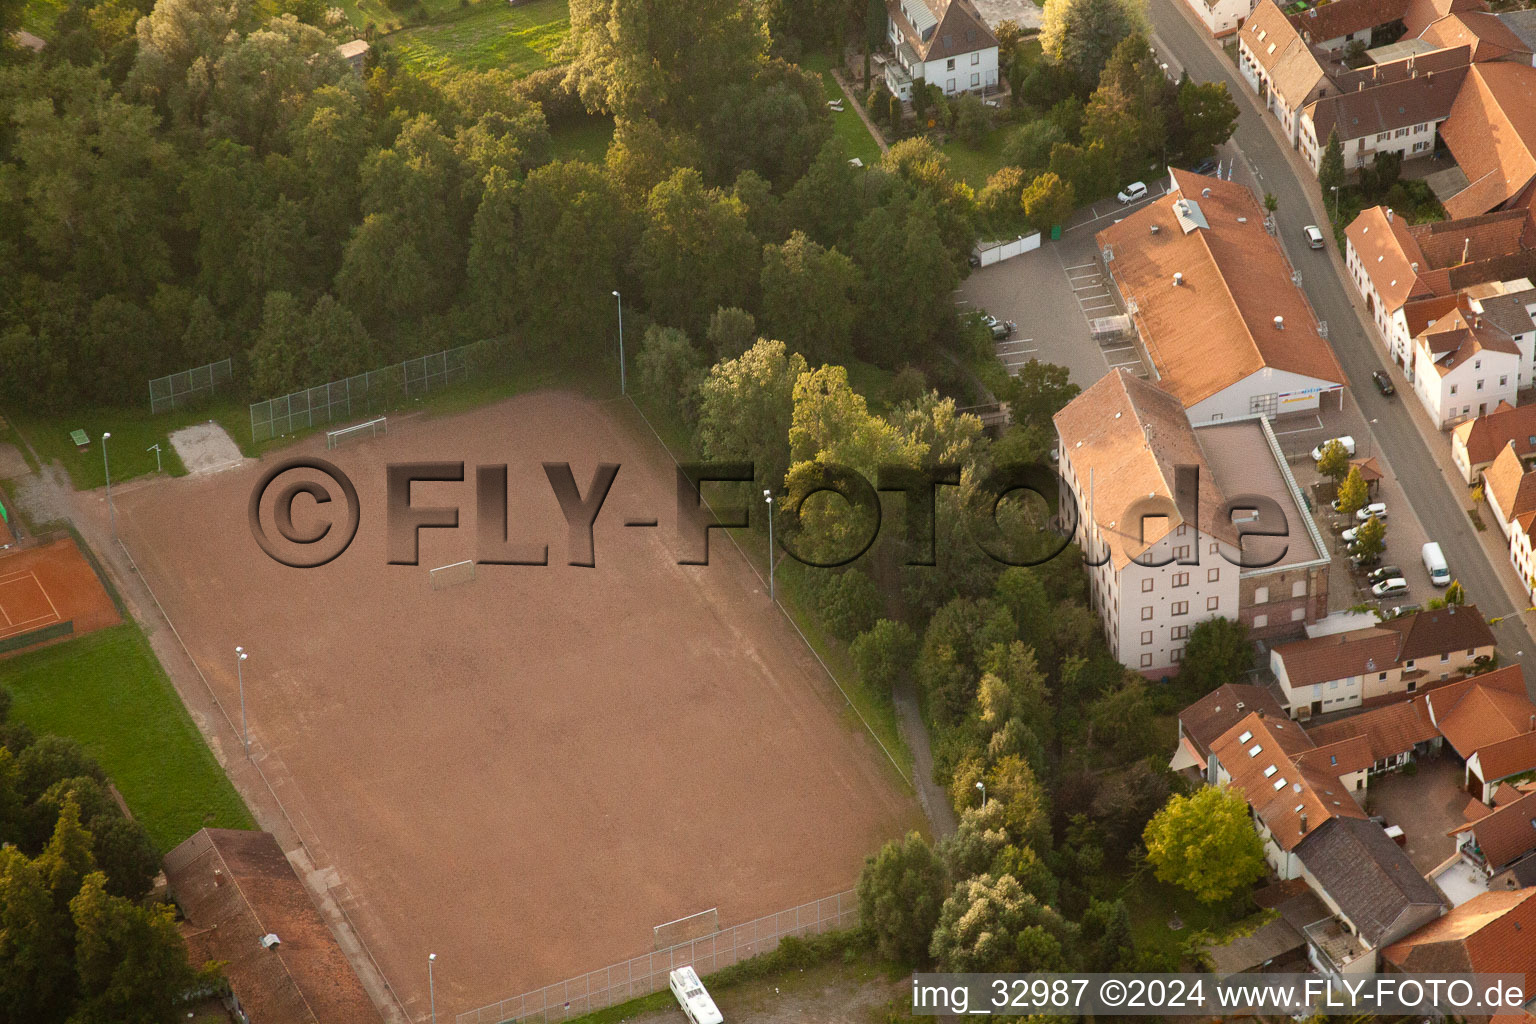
901	891
1205	844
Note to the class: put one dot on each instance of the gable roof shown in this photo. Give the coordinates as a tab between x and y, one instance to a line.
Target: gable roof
1367	111
1208	718
1388	251
1490	933
1344	17
1456	337
1389	730
1420	14
1522	24
235	887
1476	712
1507	834
1293	69
1263	756
1383	646
1217	327
1366	874
1512	756
944	28
1485	436
1130	434
1491	132
1509	485
1488	37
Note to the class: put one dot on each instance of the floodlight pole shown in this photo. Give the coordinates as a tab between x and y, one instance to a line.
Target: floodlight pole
106	466
245	737
768	497
431	987
983	787
621	341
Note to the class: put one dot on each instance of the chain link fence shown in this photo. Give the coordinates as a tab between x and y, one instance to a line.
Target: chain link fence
184	388
367	394
649	973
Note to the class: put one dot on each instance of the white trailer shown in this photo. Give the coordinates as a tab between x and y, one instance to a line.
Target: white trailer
692	997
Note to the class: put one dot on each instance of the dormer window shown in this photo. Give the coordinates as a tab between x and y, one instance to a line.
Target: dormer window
1246	736
1270	771
1255	750
1279	784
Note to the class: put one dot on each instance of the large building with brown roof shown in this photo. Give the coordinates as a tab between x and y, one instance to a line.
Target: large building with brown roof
1400	116
245	907
1477	442
1491	933
1224	329
1122	442
1490	724
1362	667
1279	66
1491	132
941	42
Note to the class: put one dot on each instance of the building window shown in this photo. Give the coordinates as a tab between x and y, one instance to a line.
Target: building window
1299	588
1146	613
950	65
1216	545
1178	632
1261	595
1177	654
976	57
1453	389
1181	579
1333	684
1180	608
975	80
1146	661
1402	132
1181	552
1212	575
1298	614
1383	137
1479	385
1503	380
1146	637
1211	603
1260	621
1146	585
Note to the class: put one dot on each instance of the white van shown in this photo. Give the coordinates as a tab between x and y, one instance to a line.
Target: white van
1434	561
691	996
1347	441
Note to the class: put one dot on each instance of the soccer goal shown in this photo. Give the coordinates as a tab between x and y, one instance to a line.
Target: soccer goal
684	929
450	575
373	428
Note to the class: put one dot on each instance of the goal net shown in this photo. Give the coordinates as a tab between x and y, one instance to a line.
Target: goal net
684	929
373	428
451	575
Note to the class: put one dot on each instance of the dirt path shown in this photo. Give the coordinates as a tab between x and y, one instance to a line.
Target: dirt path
930	795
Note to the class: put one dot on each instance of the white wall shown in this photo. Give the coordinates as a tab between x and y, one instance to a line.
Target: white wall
1292	391
969	72
1411	143
1473	388
1222	17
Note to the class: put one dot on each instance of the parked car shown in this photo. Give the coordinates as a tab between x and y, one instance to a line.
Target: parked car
1347	441
1375	508
1206	166
1000	328
1395	587
1398	611
1134	191
1386	572
1314	236
1383	384
1434	562
973	259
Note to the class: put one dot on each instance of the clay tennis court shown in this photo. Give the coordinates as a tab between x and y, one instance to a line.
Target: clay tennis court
48	584
524	773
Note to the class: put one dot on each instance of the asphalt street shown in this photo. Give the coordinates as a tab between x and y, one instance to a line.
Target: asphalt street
1396	434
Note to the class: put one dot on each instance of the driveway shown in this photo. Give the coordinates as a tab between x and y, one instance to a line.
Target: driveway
1398	438
1426	805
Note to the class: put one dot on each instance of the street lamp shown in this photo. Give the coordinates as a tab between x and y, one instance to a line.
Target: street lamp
768	497
621	341
431	988
107	468
983	787
1335	190
245	737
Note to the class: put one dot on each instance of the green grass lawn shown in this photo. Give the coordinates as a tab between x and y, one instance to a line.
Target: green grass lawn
1154	904
134	430
975	165
585	139
107	690
848	124
481	35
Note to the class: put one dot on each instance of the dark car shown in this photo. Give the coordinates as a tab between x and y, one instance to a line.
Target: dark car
1205	166
1383	383
1386	572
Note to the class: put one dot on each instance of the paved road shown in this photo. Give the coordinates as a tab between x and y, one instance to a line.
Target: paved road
1397	436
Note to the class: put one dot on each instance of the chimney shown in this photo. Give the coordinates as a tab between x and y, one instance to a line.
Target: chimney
1303	822
1178	279
1466	249
1259	712
1389	215
1279	323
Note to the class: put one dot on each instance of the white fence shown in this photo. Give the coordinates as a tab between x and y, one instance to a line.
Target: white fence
646	974
1005	249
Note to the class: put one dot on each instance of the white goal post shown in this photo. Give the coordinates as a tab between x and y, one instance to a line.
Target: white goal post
450	575
372	428
684	929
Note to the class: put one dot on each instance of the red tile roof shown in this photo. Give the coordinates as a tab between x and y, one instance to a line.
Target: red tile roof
1208	718
1513	756
1489	934
1509	485
1343	17
1481	710
1390	730
1508	833
1492	134
1388	251
1488	37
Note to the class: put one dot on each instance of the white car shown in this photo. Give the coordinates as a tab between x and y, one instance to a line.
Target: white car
1314	236
1391	588
1134	191
1375	508
1347	441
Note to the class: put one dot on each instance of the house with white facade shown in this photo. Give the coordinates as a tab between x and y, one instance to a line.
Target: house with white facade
1279	66
1161	556
1509	488
1223	324
1464	366
943	42
1477	442
1382	114
1221	17
1324	674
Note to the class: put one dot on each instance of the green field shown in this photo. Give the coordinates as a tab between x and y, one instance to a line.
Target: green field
847	124
480	35
108	691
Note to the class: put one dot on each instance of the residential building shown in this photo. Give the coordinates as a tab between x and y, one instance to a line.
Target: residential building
1221	17
246	908
355	53
1490	725
1209	718
1488	934
1464	365
1477	442
1162	557
1413	275
1509	488
1396	733
1335	27
1400	117
1491	131
1488	37
943	42
1224	327
1279	66
1503	840
1361	667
